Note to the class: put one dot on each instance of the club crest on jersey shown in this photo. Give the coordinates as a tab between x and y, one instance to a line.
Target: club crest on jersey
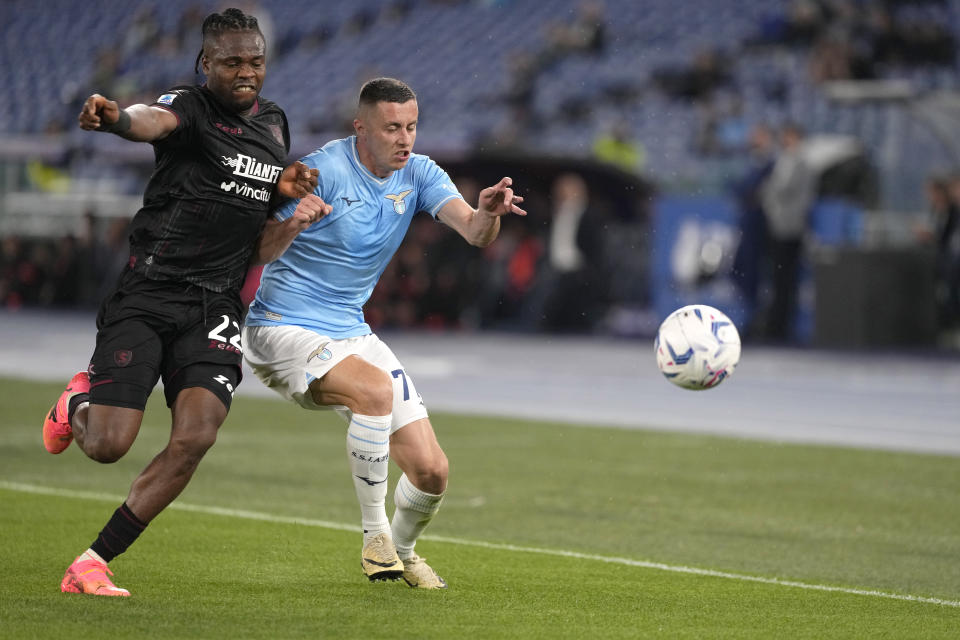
320	352
398	204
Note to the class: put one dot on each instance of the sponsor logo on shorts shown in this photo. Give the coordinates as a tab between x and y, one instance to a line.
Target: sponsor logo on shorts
225	381
167	98
320	352
122	357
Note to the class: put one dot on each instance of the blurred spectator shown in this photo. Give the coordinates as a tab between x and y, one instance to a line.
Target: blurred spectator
361	20
586	34
189	25
11	255
397	10
837	56
23	272
928	42
64	287
709	71
617	146
804	22
786	196
46	177
723	128
571	288
106	69
142	33
507	273
522	78
752	223
455	276
111	252
947	237
847	39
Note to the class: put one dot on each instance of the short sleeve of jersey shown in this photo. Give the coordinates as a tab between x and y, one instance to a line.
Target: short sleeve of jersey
184	103
435	187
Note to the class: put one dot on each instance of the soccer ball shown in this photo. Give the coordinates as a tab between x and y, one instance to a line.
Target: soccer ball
697	347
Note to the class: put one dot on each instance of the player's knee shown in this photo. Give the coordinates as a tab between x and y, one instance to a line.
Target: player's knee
190	447
431	477
104	448
107	435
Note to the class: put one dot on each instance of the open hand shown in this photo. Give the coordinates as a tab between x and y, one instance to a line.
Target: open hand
499	199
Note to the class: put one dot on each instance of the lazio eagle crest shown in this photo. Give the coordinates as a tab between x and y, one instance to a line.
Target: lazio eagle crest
398	204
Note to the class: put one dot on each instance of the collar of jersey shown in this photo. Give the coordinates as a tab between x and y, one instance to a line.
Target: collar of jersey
363	169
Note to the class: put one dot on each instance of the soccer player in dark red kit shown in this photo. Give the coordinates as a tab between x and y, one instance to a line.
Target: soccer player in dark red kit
175	311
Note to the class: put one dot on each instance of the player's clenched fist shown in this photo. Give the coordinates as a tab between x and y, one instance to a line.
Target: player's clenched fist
297	180
310	209
98	111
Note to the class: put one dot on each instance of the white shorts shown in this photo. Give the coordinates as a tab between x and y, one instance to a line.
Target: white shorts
288	358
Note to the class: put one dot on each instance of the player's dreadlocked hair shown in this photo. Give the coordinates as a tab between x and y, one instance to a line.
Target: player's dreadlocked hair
229	20
385	90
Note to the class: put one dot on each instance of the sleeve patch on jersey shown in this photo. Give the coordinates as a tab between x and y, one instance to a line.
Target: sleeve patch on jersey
167	98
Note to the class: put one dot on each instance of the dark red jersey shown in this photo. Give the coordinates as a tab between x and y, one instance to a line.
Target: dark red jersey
208	198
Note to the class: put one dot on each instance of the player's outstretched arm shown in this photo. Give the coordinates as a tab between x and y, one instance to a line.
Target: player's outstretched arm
278	235
480	226
140	122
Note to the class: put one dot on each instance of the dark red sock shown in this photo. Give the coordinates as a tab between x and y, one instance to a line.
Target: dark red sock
120	532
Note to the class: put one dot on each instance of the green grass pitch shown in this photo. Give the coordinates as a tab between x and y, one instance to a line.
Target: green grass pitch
547	531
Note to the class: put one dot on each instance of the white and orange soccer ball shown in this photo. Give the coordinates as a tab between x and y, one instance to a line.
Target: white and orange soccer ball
697	347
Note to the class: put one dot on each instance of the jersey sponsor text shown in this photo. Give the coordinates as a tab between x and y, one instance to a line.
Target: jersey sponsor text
243	189
249	167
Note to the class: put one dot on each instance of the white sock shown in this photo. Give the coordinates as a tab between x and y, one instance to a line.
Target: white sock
368	450
415	510
90	554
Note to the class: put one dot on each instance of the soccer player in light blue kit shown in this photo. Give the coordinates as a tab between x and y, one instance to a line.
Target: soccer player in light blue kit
305	335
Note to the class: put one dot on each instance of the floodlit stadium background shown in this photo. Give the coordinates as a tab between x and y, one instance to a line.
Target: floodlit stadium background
650	104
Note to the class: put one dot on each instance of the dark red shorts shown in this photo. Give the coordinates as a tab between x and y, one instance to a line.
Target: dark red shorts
149	330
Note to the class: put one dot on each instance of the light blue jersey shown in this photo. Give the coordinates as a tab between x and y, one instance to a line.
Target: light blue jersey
326	276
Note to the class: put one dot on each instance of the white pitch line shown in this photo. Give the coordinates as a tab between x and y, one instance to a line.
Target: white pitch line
324	524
